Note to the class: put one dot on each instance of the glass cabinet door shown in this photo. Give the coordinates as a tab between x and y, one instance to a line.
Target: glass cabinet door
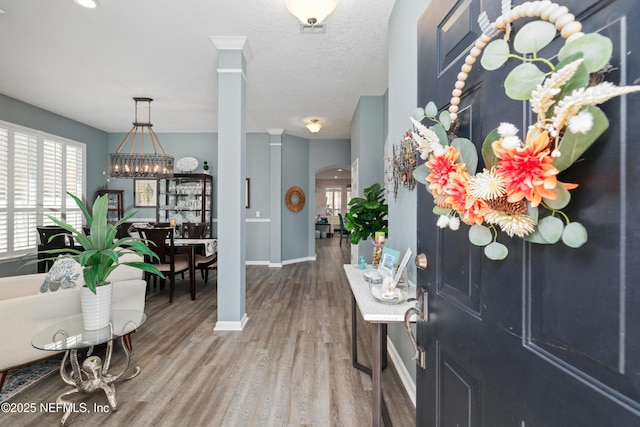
186	198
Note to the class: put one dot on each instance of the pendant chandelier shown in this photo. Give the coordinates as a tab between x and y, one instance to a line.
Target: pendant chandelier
311	12
141	165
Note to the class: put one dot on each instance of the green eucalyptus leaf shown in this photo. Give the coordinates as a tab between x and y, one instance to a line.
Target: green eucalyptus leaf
490	159
468	153
575	235
495	55
496	251
597	50
573	145
437	210
431	110
534	36
418	114
445	120
522	80
420	173
480	235
551	228
562	200
441	132
535	237
533	212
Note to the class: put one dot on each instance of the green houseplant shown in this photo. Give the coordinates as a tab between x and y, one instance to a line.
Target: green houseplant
367	215
101	252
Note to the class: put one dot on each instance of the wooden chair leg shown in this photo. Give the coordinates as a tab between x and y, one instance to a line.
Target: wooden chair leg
172	287
127	342
3	375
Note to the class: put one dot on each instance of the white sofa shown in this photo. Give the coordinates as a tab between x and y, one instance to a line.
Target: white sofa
24	311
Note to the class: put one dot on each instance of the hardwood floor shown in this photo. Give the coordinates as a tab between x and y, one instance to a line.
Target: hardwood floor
290	366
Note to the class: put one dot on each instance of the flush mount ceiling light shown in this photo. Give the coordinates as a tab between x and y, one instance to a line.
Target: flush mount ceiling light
314	126
311	12
89	4
141	165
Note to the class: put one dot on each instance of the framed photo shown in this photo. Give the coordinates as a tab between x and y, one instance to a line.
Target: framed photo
388	261
403	265
247	193
145	193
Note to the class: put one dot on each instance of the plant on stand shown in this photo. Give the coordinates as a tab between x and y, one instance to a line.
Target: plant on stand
367	215
100	255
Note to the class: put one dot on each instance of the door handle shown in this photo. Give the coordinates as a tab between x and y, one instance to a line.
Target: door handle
421	311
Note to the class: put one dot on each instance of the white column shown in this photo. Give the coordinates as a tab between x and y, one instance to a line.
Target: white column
275	206
233	55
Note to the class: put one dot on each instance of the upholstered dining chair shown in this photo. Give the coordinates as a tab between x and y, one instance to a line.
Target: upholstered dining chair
170	263
343	231
194	230
207	263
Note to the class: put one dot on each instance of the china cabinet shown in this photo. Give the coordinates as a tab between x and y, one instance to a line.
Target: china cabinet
186	198
115	207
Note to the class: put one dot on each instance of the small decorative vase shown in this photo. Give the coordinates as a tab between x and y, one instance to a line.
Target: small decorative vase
96	308
377	253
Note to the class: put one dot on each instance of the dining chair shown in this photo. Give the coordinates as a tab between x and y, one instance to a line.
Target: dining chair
52	237
343	231
194	230
207	263
161	241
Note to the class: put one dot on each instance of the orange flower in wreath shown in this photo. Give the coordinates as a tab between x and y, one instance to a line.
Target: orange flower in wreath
467	206
528	171
440	167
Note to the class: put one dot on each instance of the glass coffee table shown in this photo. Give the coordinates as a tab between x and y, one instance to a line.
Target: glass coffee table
93	373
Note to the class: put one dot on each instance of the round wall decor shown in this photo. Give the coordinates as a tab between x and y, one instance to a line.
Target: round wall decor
295	199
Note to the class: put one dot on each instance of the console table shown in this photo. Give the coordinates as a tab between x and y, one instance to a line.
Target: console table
379	315
93	374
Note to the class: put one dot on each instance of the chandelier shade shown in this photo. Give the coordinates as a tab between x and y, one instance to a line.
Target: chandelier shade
132	164
314	126
311	12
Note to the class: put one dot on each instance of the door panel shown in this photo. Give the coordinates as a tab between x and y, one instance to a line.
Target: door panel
551	335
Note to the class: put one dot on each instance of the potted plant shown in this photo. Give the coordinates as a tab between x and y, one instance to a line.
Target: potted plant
367	215
100	255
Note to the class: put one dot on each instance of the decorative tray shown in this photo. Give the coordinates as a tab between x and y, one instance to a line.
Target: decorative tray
397	296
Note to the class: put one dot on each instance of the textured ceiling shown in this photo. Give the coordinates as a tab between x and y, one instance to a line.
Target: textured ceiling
88	64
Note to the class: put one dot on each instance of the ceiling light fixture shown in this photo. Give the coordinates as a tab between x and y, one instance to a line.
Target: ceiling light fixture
141	165
314	126
89	4
311	12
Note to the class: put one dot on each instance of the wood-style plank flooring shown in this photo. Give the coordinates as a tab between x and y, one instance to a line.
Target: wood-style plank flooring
290	366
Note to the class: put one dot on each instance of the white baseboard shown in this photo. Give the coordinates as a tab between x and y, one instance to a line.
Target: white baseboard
231	326
294	261
275	264
408	382
256	263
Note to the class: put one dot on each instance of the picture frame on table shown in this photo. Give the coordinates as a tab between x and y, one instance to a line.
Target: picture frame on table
388	261
145	193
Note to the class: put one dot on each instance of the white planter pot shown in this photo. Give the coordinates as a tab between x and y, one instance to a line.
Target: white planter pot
96	308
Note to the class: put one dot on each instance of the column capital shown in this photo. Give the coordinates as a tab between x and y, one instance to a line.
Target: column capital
275	132
233	43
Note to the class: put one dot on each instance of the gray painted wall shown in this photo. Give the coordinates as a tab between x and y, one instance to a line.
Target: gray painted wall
295	172
367	145
402	95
